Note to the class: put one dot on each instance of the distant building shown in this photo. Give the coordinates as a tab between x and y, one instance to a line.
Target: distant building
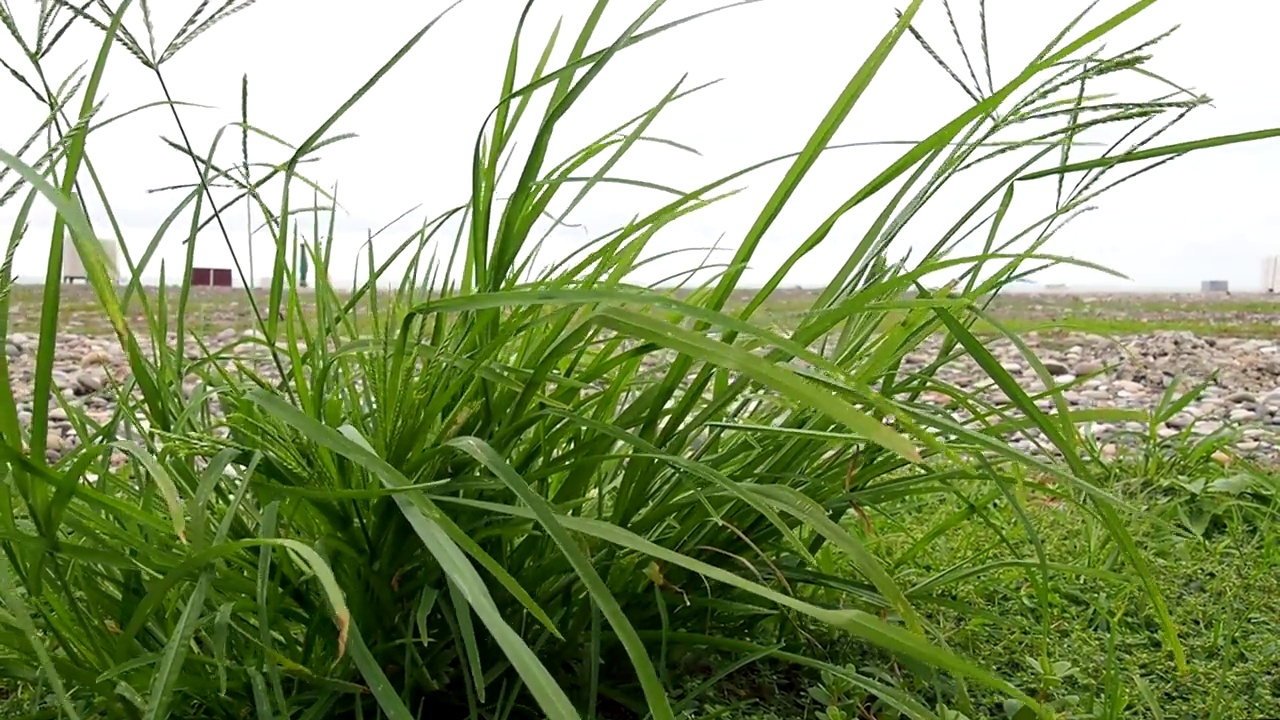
73	267
1271	274
1213	286
210	277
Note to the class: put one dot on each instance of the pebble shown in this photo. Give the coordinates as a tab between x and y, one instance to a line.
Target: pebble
95	357
91	380
1056	369
1242	415
1087	367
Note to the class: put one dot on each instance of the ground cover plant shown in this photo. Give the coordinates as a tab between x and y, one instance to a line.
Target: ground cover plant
501	493
1240	316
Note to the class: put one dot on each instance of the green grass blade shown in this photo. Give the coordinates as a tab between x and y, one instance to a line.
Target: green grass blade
425	519
375	679
164	680
1153	153
865	625
53	274
784	381
817	143
21	617
659	705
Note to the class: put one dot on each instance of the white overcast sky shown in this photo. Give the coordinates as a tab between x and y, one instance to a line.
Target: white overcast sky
1209	215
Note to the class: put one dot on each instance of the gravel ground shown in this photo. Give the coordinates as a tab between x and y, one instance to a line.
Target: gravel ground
1124	372
86	369
1133	372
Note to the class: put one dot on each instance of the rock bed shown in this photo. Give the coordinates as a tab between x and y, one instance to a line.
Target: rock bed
1134	372
1128	372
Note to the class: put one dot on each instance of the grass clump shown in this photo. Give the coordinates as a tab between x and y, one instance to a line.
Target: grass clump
499	493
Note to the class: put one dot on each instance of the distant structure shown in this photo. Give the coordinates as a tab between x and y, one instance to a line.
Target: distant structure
1214	286
73	267
1271	274
210	277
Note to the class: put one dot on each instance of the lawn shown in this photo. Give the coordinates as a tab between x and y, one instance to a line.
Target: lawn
1103	660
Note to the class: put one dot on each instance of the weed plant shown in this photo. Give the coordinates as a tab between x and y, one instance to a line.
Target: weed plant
505	494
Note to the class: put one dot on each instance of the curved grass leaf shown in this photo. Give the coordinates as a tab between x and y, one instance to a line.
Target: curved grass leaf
425	519
857	622
659	706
